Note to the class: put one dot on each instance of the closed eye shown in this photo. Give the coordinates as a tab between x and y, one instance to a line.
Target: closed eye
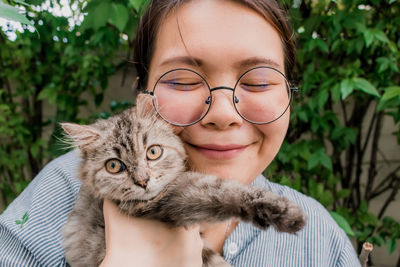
182	86
255	87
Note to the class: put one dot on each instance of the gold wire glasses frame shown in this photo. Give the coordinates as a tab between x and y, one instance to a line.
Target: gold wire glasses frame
261	95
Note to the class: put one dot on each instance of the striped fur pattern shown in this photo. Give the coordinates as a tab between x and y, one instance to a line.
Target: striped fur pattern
171	194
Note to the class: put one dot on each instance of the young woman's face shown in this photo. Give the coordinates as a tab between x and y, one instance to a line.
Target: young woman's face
225	39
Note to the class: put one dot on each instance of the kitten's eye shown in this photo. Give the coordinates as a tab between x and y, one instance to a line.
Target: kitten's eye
154	152
115	166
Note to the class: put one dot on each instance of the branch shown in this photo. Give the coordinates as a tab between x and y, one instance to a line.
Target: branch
366	250
390	198
381	187
356	120
367	138
9	181
345	117
374	153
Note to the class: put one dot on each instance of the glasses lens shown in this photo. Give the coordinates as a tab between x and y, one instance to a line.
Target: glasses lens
182	97
262	95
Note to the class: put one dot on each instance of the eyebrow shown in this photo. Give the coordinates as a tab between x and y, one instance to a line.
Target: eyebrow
191	61
196	62
253	61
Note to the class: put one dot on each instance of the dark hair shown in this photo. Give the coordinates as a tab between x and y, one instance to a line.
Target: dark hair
158	9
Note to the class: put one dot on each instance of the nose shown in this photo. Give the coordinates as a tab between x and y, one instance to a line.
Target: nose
142	182
222	113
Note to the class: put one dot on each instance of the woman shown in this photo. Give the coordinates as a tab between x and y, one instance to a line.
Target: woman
233	129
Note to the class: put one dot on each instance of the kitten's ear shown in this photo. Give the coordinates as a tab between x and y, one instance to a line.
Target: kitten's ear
82	135
144	105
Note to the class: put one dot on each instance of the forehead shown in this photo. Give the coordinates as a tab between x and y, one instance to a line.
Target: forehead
220	35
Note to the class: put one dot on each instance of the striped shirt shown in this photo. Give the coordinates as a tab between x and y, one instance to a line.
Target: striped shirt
36	240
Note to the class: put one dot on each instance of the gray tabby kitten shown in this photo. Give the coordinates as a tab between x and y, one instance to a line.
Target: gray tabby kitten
136	160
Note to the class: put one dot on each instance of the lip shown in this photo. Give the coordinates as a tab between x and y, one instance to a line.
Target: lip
214	151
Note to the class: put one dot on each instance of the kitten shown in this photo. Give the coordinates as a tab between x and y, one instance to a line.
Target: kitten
136	160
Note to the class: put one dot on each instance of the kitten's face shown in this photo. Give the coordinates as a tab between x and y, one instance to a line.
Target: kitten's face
131	158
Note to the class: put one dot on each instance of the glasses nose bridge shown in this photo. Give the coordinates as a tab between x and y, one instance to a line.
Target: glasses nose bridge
221	88
208	101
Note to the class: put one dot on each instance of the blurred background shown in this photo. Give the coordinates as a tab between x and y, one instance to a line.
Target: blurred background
72	61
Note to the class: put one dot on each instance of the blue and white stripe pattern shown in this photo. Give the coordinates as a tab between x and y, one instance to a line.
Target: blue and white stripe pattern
50	197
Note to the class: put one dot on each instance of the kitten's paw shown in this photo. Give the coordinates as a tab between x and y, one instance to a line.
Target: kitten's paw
283	214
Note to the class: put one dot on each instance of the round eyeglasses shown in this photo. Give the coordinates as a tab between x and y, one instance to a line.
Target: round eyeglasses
183	97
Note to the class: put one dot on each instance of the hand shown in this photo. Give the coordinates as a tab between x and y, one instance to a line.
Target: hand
142	242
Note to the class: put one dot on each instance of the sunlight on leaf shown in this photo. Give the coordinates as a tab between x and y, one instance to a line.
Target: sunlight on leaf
342	222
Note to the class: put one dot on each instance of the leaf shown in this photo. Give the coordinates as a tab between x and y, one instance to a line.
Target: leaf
136	4
25	217
20	2
391	92
97	17
391	245
322	45
322	98
131	26
368	37
346	88
365	86
302	115
342	222
18	222
312	188
381	36
360	27
12	13
377	240
313	161
119	16
363	206
49	93
326	161
317	158
336	93
383	64
343	193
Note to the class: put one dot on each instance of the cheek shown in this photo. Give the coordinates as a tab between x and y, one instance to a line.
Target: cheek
273	135
111	185
276	129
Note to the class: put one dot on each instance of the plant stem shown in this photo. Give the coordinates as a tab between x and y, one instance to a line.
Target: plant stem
366	250
372	172
391	198
381	188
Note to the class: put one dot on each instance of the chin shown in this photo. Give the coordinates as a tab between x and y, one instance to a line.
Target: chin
227	171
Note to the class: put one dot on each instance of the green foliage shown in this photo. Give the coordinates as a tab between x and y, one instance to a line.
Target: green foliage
342	222
62	69
348	73
12	13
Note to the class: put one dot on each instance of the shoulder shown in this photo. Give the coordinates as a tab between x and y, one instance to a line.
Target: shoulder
32	222
321	242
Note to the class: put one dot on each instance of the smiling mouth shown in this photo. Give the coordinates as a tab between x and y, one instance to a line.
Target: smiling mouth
222	152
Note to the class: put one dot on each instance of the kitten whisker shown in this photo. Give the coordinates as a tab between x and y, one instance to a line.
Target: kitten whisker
66	141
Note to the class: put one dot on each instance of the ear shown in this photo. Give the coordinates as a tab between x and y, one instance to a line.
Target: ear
144	105
82	135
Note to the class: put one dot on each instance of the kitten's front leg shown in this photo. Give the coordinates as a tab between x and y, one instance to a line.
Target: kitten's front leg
195	198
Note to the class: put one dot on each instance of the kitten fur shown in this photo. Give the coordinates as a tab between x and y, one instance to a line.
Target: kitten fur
161	189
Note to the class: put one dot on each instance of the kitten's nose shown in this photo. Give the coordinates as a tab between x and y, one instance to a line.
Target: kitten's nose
142	182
